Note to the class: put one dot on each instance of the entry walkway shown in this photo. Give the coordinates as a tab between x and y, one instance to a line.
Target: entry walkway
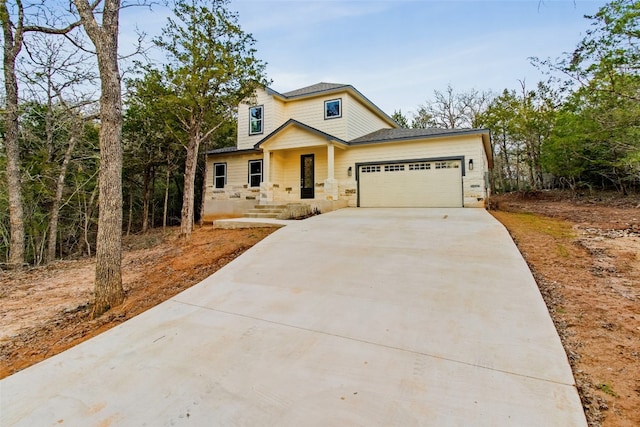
358	317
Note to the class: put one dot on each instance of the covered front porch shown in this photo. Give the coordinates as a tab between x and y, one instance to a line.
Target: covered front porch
299	167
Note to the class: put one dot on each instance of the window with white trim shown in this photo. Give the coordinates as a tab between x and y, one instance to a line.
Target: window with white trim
256	120
219	175
255	173
333	109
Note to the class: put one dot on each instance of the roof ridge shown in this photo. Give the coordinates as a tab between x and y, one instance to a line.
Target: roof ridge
314	88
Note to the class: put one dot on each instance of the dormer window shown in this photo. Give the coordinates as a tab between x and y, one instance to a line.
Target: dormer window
256	120
333	109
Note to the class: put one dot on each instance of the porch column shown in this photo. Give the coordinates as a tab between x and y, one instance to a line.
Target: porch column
330	184
330	161
266	192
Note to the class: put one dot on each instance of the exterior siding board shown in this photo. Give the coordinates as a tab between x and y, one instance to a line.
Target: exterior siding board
469	147
273	114
294	137
311	112
360	120
237	186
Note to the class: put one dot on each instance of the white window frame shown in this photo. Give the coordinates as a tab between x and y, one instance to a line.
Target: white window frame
255	174
333	115
260	120
216	176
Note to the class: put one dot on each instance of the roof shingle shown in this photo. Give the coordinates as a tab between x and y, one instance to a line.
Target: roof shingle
395	134
318	87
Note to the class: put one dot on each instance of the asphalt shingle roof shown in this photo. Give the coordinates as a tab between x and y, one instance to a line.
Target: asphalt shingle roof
227	150
395	134
318	87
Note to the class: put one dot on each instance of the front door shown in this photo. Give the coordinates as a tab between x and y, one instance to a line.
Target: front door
307	178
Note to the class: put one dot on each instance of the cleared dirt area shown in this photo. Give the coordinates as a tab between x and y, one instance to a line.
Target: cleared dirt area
44	311
583	251
585	255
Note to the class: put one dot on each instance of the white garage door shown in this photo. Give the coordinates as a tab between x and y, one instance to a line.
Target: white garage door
436	184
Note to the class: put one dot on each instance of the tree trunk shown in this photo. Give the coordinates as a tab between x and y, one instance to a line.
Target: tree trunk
146	195
153	197
16	214
130	219
88	214
204	189
108	284
57	201
186	222
166	196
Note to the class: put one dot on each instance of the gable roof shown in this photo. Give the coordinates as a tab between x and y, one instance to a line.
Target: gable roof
324	88
294	122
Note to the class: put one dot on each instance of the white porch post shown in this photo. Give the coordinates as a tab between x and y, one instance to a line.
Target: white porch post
266	192
330	184
330	161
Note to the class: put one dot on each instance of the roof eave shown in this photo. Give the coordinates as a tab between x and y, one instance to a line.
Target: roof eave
293	122
345	88
232	152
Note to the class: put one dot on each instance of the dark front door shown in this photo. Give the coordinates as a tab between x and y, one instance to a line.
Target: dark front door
307	178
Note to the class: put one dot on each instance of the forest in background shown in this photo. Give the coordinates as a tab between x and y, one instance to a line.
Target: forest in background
578	128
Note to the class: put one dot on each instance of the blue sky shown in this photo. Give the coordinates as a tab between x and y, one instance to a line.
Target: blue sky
398	52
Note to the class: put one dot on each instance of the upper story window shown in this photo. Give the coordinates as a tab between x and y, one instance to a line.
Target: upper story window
256	120
333	109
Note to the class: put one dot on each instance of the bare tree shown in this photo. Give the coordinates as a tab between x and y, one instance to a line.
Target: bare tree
13	37
54	73
13	42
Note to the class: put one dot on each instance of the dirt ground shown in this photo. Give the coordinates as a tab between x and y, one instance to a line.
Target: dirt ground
585	255
583	251
44	311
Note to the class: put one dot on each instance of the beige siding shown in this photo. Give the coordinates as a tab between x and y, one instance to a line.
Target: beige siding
311	113
360	120
293	137
273	117
356	120
287	186
237	186
468	146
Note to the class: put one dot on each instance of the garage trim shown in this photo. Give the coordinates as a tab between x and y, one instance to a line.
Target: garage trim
404	161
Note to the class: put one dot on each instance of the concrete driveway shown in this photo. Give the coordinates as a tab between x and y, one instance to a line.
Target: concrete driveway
358	317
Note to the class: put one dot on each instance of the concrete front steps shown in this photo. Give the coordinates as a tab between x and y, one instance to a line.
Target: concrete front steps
267	216
266	211
288	211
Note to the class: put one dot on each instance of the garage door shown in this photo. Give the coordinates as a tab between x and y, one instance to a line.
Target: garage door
411	184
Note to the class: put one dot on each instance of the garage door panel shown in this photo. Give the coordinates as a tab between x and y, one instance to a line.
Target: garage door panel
416	184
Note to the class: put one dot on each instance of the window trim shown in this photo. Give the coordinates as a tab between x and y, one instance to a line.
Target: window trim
261	121
339	101
259	161
215	176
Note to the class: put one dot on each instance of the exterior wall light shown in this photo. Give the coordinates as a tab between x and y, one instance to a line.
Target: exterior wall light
470	164
349	171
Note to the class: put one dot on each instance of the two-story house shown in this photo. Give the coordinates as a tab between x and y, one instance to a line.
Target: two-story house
329	146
